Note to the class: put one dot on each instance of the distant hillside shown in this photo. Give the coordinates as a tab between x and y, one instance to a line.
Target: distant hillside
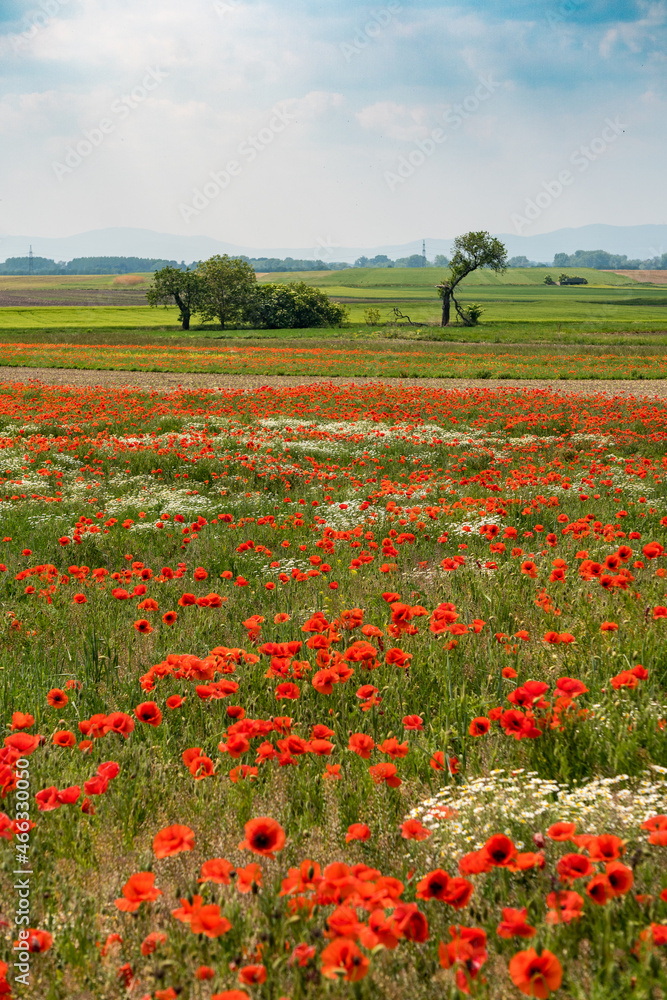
428	277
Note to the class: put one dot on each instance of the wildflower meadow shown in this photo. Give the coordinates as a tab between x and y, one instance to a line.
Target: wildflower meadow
332	691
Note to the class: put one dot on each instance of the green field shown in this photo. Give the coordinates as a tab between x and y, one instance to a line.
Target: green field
609	302
623	316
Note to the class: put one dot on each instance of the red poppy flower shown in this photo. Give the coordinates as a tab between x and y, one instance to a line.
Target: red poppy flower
57	698
38	941
217	870
149	713
251	975
263	836
343	958
205	972
536	975
361	744
138	889
151	942
357	831
385	774
169	617
479	726
564	906
64	738
573	866
514	924
22	720
47	799
172	840
562	831
499	850
412	829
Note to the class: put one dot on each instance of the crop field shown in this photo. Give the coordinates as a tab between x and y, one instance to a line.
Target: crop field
517	306
332	692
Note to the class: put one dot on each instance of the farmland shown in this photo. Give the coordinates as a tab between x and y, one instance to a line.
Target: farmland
334	691
611	330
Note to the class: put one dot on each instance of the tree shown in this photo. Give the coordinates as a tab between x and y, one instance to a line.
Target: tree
227	287
362	262
472	250
440	260
170	284
414	260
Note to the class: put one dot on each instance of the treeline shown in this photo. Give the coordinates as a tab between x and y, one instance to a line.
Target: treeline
224	289
275	264
602	260
84	265
414	260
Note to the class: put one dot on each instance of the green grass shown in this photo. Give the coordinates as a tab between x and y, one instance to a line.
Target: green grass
427	277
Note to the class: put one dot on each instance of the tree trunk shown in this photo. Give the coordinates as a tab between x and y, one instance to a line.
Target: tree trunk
184	310
221	317
446	296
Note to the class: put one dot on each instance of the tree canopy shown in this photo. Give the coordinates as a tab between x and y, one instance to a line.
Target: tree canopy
471	251
170	284
227	285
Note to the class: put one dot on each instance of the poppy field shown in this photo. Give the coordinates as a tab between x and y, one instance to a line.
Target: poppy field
350	361
332	692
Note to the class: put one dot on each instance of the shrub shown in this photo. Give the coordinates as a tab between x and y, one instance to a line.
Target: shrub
292	306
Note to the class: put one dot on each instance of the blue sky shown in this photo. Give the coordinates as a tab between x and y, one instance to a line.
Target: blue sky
308	123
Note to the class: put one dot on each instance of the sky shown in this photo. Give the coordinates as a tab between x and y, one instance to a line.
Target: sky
331	123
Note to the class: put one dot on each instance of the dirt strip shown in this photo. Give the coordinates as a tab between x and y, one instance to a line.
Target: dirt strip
655	389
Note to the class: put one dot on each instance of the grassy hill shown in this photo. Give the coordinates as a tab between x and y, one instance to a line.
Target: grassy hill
426	277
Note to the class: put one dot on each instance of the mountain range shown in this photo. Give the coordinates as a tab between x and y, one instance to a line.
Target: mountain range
641	242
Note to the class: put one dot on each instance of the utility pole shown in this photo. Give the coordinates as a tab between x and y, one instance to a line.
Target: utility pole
424	252
30	255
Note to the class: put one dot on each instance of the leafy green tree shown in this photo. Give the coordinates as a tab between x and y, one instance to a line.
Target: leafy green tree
227	288
472	250
184	287
293	305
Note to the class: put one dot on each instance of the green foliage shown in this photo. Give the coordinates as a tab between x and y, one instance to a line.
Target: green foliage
293	305
227	285
182	287
473	311
473	250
